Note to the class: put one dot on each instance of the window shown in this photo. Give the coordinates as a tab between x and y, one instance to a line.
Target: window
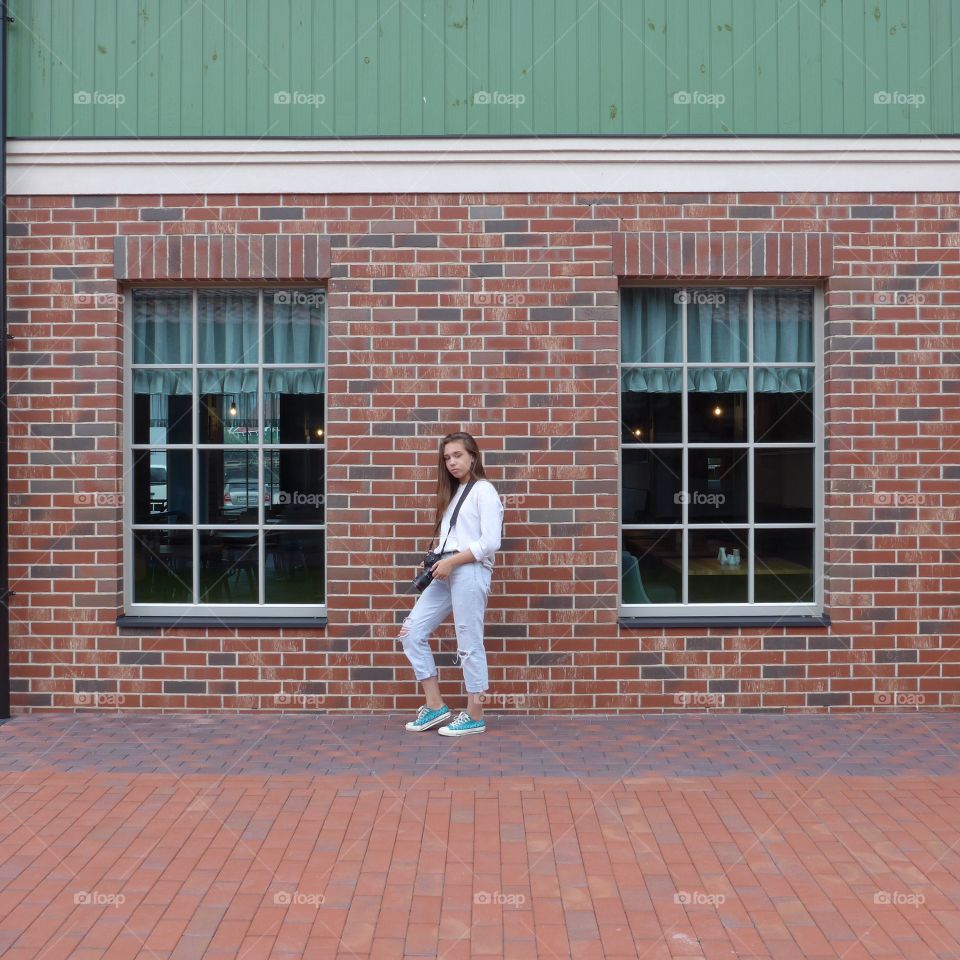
721	451
225	444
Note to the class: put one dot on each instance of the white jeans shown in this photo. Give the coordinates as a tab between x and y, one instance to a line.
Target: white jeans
465	592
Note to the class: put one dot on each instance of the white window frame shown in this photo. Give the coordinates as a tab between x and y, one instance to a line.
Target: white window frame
213	611
738	611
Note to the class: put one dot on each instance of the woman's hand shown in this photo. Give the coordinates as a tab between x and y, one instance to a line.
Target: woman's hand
443	568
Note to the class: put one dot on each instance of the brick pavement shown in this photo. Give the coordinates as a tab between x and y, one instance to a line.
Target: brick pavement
606	747
176	837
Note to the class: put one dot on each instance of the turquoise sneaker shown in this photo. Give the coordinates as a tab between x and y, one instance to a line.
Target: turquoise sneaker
463	725
427	718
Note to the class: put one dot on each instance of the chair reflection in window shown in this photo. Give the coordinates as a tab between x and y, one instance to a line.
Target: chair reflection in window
228	565
632	583
660	585
286	554
240	560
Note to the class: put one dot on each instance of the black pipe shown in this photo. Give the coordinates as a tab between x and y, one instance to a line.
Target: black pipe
4	462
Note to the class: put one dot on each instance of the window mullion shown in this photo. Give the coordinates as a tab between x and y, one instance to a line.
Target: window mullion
195	456
261	497
685	459
750	451
819	556
128	541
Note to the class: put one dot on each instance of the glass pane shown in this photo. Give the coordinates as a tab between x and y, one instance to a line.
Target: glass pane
295	570
293	326
162	326
651	486
650	325
162	406
228	405
717	567
228	566
783	325
228	486
717	330
227	326
717	404
718	486
783	566
162	491
650	566
783	487
651	405
783	404
163	566
294	486
293	405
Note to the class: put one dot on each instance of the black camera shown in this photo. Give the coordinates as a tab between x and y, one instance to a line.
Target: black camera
424	579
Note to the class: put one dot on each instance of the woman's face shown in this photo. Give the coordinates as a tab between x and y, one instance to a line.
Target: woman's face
457	459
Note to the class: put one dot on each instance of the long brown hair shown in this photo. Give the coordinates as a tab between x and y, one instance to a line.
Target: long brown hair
447	483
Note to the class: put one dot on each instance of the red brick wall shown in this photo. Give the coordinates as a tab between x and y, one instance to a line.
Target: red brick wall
518	293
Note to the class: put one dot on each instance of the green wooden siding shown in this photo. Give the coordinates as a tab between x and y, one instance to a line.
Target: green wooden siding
189	68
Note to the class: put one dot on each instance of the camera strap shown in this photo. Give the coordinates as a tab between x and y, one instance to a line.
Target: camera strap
456	510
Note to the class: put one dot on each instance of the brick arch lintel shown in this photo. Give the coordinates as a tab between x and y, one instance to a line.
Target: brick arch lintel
301	257
714	255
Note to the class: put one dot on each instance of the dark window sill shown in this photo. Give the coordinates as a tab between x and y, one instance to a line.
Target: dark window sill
638	623
233	623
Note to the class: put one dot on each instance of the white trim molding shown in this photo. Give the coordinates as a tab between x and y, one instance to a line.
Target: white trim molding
475	165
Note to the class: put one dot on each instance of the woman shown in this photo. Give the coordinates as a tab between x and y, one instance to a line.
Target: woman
461	582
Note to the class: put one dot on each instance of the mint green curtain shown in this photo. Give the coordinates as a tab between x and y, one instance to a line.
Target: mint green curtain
163	326
717	318
227	334
783	333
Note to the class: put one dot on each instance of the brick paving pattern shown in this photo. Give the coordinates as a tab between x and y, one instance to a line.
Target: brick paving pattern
610	747
178	837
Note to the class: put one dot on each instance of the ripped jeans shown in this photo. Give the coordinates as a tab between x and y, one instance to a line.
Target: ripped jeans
465	591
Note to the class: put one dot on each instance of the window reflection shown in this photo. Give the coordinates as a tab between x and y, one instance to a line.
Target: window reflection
651	405
293	405
784	566
715	415
229	486
783	404
162	406
162	566
228	406
229	566
652	482
717	490
650	566
296	492
162	487
784	486
294	566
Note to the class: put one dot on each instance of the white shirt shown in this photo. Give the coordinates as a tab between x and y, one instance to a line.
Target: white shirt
478	522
